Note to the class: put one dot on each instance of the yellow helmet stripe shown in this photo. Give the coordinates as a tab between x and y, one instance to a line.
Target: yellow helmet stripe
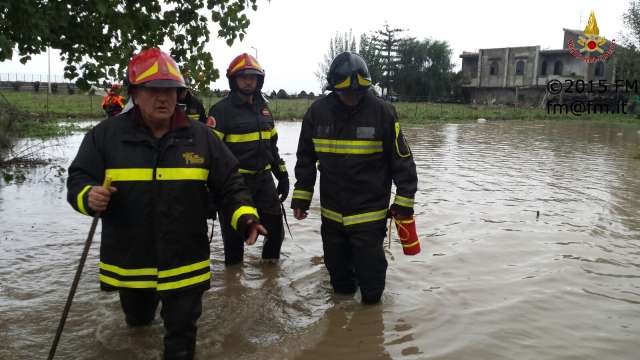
150	71
344	84
363	82
235	68
173	70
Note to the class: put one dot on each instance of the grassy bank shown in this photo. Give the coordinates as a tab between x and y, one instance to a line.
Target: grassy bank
86	106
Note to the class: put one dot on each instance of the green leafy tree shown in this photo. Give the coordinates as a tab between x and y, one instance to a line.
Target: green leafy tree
372	56
338	44
627	57
424	69
96	38
387	41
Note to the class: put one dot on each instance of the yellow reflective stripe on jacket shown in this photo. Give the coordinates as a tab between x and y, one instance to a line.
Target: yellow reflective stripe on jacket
182	174
128	284
242	210
251	172
301	194
403	201
282	168
185	282
183	269
354	219
143	174
253	136
332	215
219	134
347	146
194	117
146	174
127	272
80	200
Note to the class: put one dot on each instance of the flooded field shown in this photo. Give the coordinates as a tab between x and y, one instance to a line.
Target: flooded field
531	250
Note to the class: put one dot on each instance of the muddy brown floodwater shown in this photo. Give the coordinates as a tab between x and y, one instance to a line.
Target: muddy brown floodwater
494	281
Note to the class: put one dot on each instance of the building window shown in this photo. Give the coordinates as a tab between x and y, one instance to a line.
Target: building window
599	69
493	68
543	69
557	68
520	67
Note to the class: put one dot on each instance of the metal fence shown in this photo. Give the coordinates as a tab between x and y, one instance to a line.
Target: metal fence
55	78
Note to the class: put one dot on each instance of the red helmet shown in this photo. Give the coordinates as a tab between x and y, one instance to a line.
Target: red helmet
154	68
245	64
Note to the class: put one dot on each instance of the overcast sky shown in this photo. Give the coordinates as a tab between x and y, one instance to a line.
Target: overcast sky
292	36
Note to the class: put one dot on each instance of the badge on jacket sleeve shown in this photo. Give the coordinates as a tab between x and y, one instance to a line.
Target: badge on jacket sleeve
211	121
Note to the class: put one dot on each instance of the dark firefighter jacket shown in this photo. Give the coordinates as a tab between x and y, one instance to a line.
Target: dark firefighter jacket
194	108
154	231
359	151
249	132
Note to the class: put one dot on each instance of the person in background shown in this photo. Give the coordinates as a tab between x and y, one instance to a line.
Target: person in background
113	102
154	244
354	140
244	122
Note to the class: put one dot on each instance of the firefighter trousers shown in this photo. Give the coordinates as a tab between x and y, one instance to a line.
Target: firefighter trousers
180	312
265	199
354	256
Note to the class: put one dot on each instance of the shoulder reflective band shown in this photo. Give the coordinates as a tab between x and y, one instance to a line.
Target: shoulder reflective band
347	146
302	195
283	168
253	136
404	201
163	174
253	172
219	134
398	147
354	219
80	200
242	210
193	116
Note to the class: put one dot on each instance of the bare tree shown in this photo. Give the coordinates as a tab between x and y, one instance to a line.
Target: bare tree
338	44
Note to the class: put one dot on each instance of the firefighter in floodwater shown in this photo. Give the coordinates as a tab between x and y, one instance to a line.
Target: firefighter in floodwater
354	140
154	244
244	122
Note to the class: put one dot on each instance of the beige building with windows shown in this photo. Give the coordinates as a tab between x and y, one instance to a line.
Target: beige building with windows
518	75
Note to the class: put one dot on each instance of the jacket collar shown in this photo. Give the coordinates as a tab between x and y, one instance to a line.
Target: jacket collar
237	100
138	131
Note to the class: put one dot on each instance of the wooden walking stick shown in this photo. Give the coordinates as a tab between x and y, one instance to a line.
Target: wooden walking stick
76	279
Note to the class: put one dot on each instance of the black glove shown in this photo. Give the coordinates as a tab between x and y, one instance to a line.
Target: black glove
283	188
399	211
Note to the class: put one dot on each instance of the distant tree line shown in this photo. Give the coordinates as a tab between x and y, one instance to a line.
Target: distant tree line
400	66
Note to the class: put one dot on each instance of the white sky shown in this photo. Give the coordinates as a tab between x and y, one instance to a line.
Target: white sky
292	36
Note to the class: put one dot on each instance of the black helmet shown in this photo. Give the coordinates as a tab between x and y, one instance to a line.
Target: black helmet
348	71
